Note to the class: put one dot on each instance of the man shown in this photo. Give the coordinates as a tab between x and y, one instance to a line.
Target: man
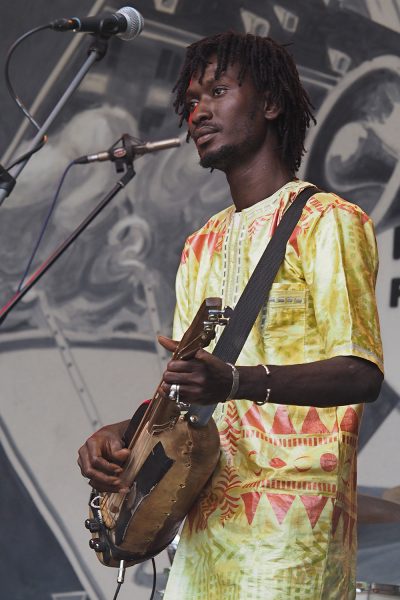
277	519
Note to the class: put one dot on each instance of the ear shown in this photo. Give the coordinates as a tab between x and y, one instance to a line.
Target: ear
271	109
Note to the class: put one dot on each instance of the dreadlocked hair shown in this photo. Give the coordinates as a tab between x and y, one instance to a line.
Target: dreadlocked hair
272	69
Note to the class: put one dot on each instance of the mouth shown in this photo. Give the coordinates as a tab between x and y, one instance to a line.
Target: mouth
203	135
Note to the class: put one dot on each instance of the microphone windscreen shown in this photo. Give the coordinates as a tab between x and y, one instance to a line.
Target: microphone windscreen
134	23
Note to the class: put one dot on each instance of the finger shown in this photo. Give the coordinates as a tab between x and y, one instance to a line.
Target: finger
184	393
184	366
117	455
109	485
180	379
106	466
164	390
107	457
107	476
111	450
103	476
167	343
203	355
95	466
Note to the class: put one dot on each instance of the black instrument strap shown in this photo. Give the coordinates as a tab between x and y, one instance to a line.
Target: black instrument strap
254	296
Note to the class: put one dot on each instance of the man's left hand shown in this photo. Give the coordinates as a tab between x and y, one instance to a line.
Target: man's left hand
203	379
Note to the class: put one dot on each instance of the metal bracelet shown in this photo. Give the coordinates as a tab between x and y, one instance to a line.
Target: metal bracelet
268	391
235	382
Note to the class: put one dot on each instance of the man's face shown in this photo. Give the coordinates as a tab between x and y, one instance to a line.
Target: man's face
226	120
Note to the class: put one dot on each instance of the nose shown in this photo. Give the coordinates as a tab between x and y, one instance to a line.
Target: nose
202	112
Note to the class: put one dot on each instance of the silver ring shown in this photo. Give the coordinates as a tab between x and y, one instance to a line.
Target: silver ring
174	393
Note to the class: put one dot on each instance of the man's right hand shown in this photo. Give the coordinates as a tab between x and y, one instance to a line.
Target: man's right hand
101	458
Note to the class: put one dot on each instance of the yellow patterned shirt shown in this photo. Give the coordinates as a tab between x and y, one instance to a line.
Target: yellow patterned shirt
277	519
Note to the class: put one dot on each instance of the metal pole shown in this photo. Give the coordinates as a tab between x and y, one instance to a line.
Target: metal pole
96	52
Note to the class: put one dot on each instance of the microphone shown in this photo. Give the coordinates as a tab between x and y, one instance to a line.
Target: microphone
138	150
126	23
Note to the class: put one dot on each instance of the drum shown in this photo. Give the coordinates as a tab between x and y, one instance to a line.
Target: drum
377	591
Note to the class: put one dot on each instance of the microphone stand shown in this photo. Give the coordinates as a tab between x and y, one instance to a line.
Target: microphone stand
124	162
96	52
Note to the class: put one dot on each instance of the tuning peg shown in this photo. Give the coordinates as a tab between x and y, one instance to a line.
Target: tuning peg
92	525
97	545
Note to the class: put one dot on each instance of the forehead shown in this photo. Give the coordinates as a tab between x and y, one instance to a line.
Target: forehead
231	73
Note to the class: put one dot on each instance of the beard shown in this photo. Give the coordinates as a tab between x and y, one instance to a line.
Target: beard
229	155
220	159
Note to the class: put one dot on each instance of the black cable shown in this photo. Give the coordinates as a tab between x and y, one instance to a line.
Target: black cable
153	562
44	226
10	87
153	591
27	155
117	590
15	97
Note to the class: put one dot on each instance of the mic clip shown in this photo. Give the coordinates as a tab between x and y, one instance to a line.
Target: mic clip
122	156
126	154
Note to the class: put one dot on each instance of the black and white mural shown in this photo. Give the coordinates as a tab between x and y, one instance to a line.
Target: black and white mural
79	350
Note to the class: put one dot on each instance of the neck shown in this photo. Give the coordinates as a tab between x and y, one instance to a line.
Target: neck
250	182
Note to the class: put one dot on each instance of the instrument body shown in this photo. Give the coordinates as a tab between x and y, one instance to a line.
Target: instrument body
170	462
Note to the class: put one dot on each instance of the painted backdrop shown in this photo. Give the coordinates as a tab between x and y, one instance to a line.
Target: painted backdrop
80	349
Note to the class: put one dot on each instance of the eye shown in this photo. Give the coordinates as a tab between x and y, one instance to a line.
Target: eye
190	105
219	90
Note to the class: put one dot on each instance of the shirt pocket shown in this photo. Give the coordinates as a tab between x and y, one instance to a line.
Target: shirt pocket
285	311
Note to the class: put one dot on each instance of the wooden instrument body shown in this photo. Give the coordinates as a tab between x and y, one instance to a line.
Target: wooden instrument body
149	520
170	463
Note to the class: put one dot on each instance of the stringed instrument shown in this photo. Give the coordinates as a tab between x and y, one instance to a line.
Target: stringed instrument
171	460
